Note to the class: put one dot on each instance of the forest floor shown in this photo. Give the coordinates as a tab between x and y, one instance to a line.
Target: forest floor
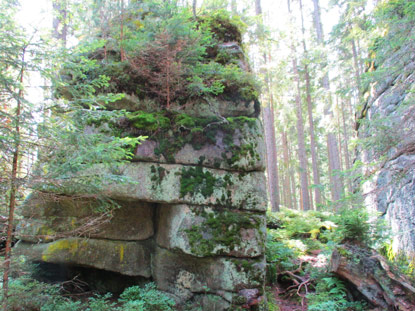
292	300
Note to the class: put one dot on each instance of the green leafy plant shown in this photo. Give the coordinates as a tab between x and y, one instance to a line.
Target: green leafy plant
148	298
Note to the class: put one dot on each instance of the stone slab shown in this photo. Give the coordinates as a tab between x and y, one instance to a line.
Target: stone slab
167	183
184	275
129	222
128	258
198	108
202	231
244	152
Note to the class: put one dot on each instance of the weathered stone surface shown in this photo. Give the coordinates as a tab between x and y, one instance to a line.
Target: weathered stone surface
39	204
202	231
390	157
176	184
200	108
184	275
128	258
208	303
129	222
245	151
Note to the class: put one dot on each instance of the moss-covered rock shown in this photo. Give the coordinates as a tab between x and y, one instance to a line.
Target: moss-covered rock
128	258
185	276
234	190
202	231
234	144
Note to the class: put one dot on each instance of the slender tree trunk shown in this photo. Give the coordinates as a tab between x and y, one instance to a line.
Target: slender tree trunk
272	169
287	185
332	144
271	148
313	147
356	67
292	177
301	141
60	22
346	145
194	6
122	52
13	190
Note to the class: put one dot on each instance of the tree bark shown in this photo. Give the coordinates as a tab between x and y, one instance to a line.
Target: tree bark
314	159
272	169
194	6
287	184
270	141
370	274
301	142
332	145
346	145
13	188
122	52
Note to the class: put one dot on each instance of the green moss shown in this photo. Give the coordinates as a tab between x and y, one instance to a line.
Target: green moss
220	229
157	175
198	180
148	121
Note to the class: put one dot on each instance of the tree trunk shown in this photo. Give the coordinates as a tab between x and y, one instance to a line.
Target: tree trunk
314	159
301	141
60	22
194	6
13	189
292	178
356	67
122	52
332	149
272	169
346	145
370	274
268	117
287	184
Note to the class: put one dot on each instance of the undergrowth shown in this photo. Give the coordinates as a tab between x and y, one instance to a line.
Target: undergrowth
294	234
26	294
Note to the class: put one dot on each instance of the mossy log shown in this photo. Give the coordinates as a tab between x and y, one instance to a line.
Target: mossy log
371	275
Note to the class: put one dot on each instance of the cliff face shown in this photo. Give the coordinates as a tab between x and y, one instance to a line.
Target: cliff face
388	133
194	221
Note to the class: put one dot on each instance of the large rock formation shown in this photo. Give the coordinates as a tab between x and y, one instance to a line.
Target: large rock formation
388	132
194	221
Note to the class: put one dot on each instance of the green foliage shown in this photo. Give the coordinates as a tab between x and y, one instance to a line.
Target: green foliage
100	303
149	121
331	294
148	298
170	57
28	294
226	28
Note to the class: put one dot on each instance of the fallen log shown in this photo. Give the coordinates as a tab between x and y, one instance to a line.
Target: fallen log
371	275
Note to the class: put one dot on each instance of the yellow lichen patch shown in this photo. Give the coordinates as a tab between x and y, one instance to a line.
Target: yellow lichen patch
314	233
121	253
68	245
